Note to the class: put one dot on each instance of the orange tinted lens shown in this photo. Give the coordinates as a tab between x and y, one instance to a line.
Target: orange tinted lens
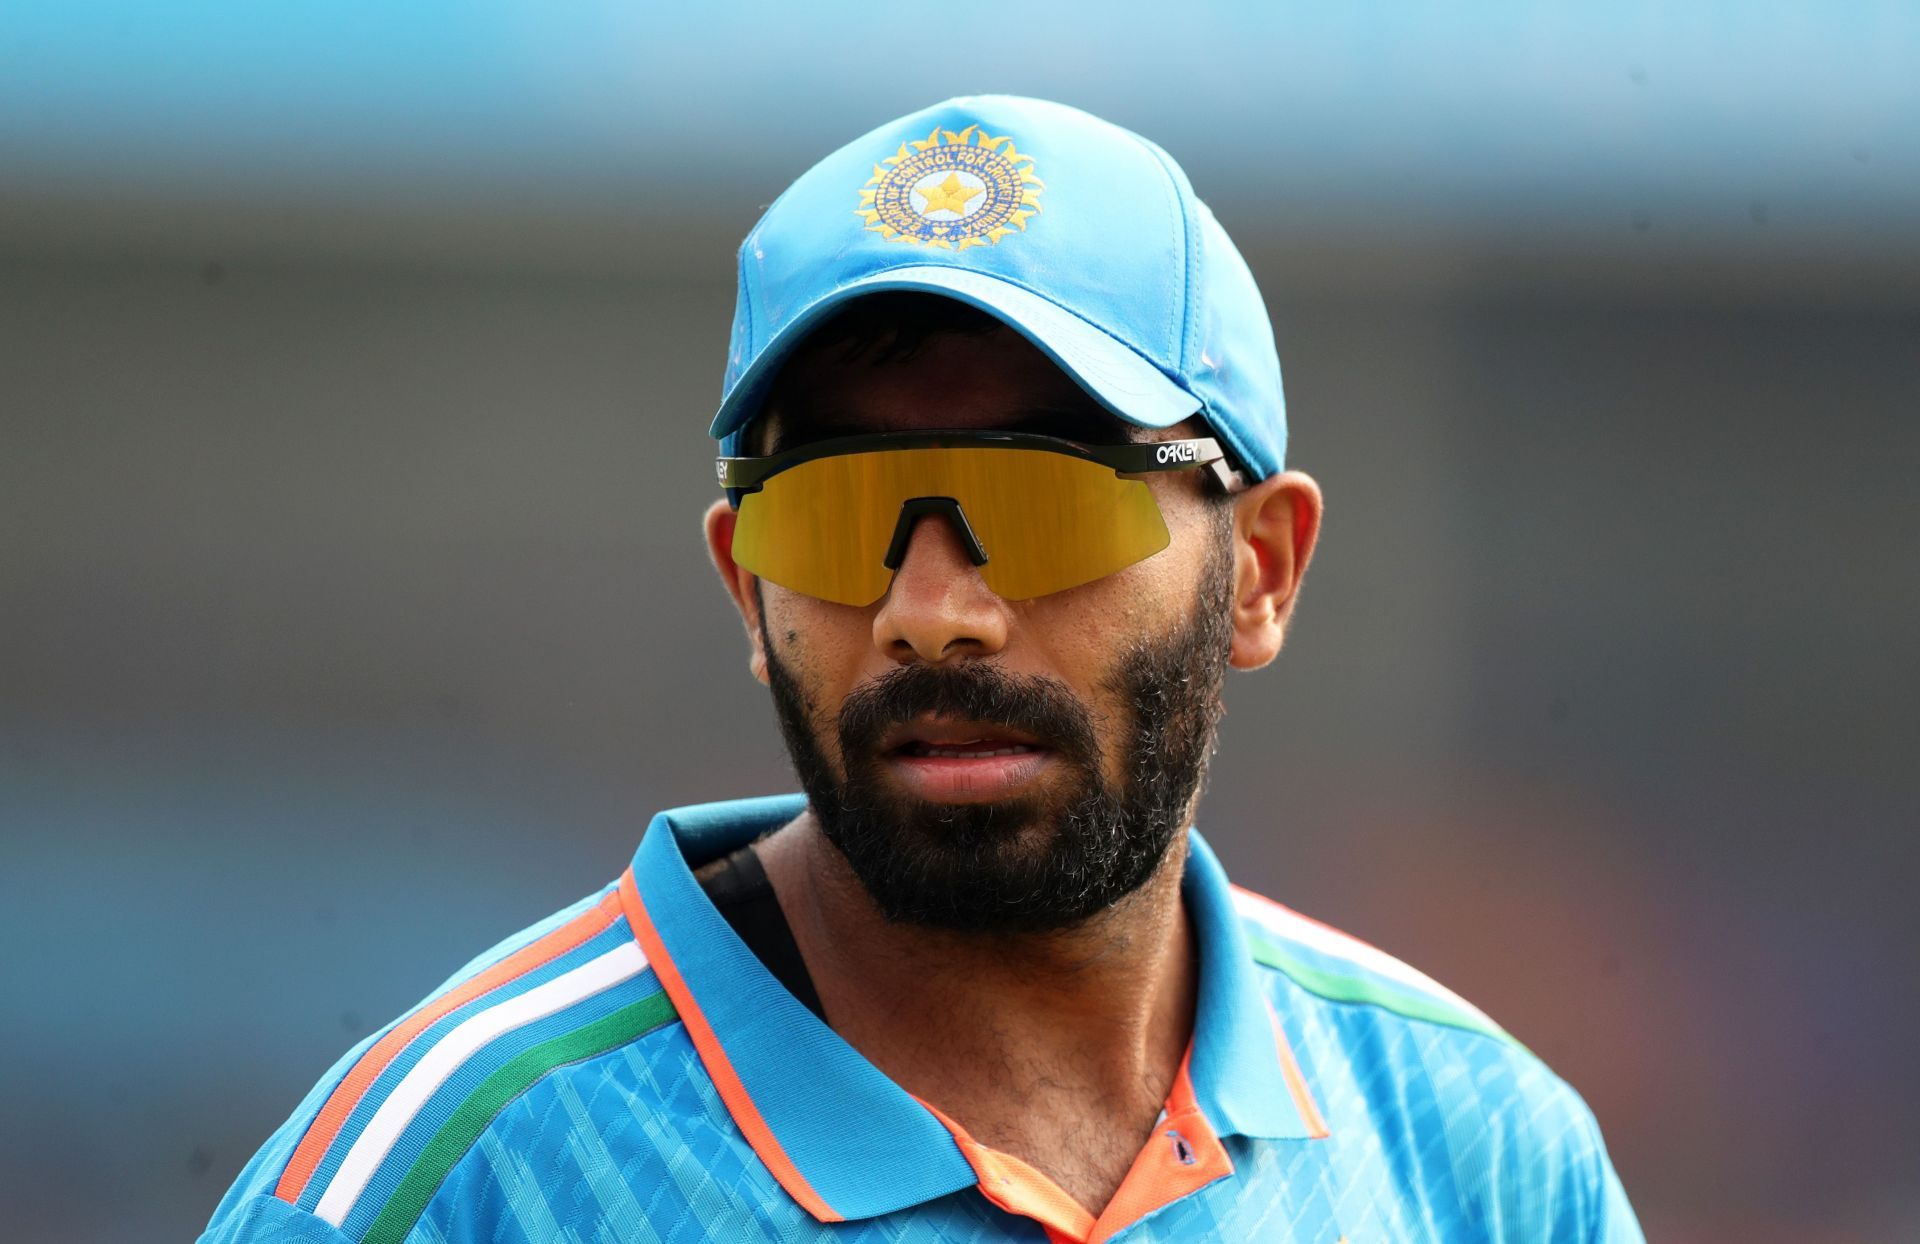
1046	521
821	528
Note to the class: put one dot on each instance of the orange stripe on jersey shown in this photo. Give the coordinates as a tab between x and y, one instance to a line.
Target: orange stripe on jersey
719	1067
1297	1082
333	1116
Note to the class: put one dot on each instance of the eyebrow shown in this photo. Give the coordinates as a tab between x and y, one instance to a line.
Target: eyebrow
1090	425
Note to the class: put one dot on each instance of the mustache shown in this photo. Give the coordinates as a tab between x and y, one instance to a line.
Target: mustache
975	691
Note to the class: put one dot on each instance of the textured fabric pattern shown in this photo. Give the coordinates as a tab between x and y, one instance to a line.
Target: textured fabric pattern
605	1122
1436	1135
637	1146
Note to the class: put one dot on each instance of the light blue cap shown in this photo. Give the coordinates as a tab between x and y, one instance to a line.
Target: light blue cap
1084	237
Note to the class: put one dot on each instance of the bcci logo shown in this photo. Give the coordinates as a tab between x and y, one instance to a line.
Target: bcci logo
951	190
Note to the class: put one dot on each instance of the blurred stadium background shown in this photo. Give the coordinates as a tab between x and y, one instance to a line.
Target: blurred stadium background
354	369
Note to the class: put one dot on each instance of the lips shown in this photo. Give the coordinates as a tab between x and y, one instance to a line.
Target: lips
953	761
957	739
973	750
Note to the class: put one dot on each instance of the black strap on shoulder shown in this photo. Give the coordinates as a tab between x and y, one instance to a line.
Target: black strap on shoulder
739	889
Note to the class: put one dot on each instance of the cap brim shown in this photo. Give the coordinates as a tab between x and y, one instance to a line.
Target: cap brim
1114	374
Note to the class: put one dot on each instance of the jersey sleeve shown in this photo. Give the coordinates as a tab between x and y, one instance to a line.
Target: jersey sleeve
266	1219
1614	1220
258	1208
1556	1181
260	1175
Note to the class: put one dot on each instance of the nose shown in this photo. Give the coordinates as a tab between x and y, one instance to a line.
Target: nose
938	607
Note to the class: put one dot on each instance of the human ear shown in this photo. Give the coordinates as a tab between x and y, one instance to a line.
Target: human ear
1275	526
719	524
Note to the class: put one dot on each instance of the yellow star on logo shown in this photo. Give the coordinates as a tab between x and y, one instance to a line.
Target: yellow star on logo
951	195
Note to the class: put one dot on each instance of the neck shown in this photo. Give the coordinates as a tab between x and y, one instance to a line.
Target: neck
985	1025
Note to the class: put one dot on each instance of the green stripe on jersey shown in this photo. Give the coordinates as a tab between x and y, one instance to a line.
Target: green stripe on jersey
1401	1000
472	1116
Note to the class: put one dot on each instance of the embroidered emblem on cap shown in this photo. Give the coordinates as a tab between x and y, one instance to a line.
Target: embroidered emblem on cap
952	190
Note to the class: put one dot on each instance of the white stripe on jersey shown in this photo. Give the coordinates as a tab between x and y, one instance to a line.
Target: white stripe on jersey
389	1122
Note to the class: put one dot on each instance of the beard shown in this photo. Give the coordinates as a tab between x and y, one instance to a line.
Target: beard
1041	862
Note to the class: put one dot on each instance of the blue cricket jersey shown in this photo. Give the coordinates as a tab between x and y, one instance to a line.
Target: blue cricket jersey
629	1071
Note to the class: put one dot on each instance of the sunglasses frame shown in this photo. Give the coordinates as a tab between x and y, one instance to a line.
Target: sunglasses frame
745	475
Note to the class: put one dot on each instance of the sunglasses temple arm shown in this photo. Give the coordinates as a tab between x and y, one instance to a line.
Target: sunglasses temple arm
740	473
1230	480
1203	452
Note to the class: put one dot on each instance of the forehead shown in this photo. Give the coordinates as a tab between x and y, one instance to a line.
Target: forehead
994	379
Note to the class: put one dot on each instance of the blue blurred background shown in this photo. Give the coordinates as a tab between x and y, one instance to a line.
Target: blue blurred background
354	368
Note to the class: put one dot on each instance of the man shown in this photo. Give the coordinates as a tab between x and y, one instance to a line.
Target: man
1002	446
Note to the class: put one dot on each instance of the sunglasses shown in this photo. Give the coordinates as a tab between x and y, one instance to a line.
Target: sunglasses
1036	514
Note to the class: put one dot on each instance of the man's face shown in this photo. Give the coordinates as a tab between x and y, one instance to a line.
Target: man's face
983	763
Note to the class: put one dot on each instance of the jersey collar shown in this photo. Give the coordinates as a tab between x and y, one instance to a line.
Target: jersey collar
844	1140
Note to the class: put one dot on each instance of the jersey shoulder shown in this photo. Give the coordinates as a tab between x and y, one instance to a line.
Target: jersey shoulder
1325	963
1485	1127
367	1149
